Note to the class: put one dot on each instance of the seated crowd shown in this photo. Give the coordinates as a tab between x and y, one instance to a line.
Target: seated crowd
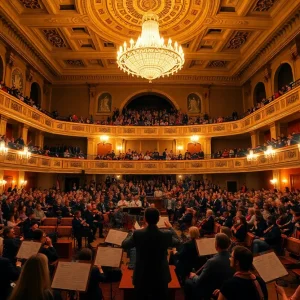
147	116
191	205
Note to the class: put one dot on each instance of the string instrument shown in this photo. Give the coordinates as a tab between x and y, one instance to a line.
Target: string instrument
84	223
268	229
203	221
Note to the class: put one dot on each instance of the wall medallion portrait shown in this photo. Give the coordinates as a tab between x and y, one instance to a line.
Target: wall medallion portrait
193	103
104	103
17	79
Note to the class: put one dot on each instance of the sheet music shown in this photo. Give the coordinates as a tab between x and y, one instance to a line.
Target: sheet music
108	257
116	237
137	226
71	276
161	222
28	249
206	246
269	267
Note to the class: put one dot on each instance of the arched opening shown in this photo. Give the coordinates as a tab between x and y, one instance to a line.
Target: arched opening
259	92
1	69
283	76
151	101
35	93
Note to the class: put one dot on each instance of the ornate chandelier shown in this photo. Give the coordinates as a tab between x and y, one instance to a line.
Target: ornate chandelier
149	57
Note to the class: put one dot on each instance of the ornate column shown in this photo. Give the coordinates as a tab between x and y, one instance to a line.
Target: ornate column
47	96
91	148
29	78
23	132
3	123
276	180
207	147
275	130
21	178
92	94
268	80
254	138
295	54
10	61
247	101
39	139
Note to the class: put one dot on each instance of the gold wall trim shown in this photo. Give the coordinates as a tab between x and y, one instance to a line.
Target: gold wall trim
284	106
287	157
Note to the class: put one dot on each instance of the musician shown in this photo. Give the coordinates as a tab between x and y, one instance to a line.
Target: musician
90	219
98	220
202	203
29	225
80	228
213	274
135	202
11	244
186	219
207	225
239	229
270	239
226	219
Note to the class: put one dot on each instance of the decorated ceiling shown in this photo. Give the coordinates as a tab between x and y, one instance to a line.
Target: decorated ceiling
78	39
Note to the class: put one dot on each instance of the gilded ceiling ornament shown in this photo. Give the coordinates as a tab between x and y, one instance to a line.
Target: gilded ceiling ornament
74	62
33	4
264	5
54	38
238	40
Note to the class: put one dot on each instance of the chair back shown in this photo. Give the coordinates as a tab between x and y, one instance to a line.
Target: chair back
65	231
48	229
66	221
50	222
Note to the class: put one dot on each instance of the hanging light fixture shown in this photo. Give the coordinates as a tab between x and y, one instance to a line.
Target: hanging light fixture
270	152
251	156
25	154
3	148
149	57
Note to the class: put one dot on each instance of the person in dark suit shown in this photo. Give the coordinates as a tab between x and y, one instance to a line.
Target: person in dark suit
8	274
239	229
151	274
11	244
29	225
212	275
207	226
187	257
80	227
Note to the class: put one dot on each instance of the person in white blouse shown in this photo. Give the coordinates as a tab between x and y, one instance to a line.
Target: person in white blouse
135	202
123	203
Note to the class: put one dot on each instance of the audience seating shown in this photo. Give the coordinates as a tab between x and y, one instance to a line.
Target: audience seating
50	222
249	240
66	221
217	228
48	229
64	231
292	246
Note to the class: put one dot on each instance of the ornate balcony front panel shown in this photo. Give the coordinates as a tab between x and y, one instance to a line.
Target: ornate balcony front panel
288	157
284	106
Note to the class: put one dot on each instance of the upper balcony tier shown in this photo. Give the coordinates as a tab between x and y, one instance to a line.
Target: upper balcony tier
288	157
284	106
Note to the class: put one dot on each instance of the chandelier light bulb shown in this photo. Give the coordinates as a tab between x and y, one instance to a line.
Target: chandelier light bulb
149	57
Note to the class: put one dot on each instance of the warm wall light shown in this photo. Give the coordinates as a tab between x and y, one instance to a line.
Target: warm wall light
3	182
25	154
270	152
195	138
119	148
251	156
273	181
104	138
180	147
179	176
23	182
118	176
3	148
284	180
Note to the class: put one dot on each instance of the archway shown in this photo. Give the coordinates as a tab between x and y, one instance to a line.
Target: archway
1	69
35	93
259	92
283	76
149	101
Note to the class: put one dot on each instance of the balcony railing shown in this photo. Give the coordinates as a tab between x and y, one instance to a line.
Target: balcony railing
284	106
287	157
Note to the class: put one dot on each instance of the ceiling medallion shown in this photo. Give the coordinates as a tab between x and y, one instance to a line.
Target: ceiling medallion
149	57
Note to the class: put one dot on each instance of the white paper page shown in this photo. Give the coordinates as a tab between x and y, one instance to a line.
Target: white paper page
116	237
161	222
108	257
28	249
71	276
206	246
269	267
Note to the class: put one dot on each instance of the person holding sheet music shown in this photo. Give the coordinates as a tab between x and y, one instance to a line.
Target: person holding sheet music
34	281
213	274
94	291
270	239
243	285
151	274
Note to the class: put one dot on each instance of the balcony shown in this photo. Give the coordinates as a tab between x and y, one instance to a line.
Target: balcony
288	157
286	105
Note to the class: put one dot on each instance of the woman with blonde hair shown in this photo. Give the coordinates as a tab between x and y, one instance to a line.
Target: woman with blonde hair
34	281
187	259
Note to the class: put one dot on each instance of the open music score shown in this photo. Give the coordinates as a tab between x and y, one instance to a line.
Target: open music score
206	246
137	226
116	237
28	249
161	222
73	276
269	267
108	257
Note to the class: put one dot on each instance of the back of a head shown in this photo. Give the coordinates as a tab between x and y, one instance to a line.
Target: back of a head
38	234
152	216
244	257
34	279
194	232
222	241
226	230
85	254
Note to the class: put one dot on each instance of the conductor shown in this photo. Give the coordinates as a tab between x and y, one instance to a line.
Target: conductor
151	274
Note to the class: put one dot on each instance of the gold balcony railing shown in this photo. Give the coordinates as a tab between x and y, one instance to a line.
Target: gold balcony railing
286	105
288	157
